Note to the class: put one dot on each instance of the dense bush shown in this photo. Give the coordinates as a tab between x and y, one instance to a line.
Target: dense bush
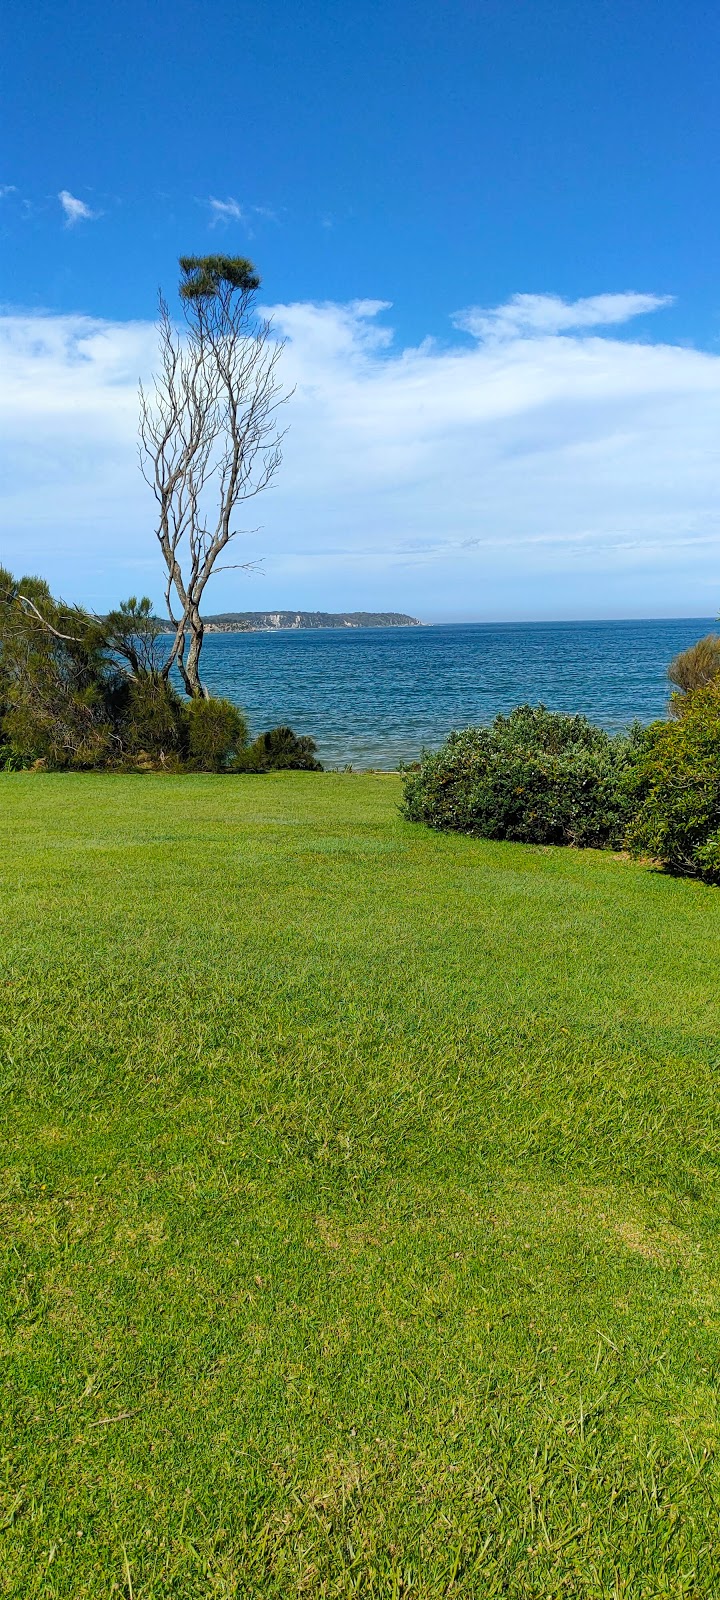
536	776
81	691
65	700
153	720
217	733
692	669
60	694
278	750
676	788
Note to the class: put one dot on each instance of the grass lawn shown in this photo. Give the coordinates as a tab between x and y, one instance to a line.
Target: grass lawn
360	1204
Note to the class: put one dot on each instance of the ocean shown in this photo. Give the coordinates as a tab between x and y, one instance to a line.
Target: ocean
374	697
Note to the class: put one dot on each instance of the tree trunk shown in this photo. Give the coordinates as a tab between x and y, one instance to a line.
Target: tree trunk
191	670
177	655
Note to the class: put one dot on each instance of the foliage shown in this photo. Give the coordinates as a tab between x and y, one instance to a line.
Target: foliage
81	691
203	276
155	721
677	788
279	750
358	1231
134	633
58	687
535	776
69	699
692	669
218	732
10	761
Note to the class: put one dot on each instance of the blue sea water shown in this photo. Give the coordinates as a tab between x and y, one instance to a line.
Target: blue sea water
373	697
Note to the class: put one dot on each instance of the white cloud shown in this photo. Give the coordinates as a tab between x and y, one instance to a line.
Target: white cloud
532	475
225	211
6	189
548	314
75	210
230	210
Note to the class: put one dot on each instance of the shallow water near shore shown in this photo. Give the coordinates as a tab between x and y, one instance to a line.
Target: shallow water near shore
374	697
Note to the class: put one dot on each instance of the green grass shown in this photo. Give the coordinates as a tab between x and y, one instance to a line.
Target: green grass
360	1204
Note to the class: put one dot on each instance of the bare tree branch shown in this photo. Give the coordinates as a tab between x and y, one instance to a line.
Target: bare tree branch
239	566
70	637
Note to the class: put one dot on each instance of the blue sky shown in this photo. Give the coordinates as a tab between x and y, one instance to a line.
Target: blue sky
438	158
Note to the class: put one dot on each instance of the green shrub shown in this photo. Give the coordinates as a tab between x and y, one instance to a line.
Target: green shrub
279	750
10	760
153	719
676	788
57	688
217	733
692	669
535	776
83	691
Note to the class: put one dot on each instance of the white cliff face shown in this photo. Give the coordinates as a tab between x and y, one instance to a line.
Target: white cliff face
268	621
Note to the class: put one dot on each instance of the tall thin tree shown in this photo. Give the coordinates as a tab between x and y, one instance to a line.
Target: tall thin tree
209	435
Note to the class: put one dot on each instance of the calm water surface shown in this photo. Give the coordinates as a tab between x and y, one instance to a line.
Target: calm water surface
372	697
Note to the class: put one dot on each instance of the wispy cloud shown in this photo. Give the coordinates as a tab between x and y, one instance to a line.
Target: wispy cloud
230	210
6	189
518	477
527	314
75	210
223	211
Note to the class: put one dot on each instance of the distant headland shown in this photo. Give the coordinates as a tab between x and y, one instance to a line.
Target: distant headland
268	621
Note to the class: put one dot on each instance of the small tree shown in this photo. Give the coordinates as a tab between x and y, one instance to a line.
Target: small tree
693	669
209	439
59	692
677	788
84	691
134	635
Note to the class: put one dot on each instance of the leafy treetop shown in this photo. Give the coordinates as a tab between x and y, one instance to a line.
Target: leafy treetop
203	276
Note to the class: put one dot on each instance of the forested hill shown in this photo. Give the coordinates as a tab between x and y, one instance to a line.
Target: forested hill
264	621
